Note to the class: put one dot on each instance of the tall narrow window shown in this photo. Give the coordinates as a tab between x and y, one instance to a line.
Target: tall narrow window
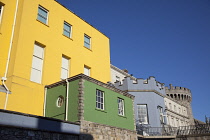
99	99
87	41
174	108
37	63
42	15
1	11
142	114
170	107
64	68
161	115
67	29
120	106
87	71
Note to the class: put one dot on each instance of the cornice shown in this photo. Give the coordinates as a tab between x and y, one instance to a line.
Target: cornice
85	77
160	94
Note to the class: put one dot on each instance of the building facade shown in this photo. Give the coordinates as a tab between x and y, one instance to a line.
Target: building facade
149	100
118	74
102	110
43	42
176	101
182	97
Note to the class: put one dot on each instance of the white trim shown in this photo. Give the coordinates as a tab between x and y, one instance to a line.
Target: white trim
9	54
1	14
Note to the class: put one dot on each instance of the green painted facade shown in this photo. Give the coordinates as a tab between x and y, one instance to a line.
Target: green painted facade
108	116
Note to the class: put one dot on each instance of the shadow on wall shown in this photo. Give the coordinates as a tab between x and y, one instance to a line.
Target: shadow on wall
84	136
44	124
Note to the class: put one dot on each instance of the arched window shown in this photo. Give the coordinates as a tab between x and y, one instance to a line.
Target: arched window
60	101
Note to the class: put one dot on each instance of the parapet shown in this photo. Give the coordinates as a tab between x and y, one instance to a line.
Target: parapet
147	85
179	93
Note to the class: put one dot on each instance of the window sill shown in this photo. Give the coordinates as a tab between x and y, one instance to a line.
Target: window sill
100	110
42	23
122	116
67	37
87	48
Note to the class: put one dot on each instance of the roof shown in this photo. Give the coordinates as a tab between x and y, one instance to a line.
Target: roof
85	77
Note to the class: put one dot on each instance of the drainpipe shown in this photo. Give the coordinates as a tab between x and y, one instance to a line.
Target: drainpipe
9	54
45	98
67	99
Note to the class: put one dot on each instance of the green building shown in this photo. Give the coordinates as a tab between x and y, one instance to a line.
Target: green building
103	111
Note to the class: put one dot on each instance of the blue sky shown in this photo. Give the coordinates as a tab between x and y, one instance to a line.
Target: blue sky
167	39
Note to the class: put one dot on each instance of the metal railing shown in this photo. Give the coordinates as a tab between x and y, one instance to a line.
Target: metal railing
194	129
157	131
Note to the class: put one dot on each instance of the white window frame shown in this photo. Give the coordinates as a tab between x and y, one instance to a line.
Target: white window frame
39	15
88	43
68	31
1	11
34	68
87	70
64	68
120	106
99	99
143	116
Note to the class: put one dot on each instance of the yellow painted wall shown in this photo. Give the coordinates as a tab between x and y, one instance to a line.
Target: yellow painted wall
28	96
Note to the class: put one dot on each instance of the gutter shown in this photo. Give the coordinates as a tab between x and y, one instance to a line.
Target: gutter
45	97
67	99
9	54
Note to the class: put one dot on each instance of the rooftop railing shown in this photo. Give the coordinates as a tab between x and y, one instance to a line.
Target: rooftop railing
174	131
194	129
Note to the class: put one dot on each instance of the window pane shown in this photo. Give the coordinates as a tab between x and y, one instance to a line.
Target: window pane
65	63
87	41
42	12
35	75
86	71
66	33
64	73
42	15
38	51
142	114
37	63
99	99
120	106
67	27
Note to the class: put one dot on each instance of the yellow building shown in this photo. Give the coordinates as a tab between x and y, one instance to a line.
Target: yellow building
48	43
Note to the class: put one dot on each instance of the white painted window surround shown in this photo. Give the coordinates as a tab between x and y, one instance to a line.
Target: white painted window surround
120	106
99	99
142	114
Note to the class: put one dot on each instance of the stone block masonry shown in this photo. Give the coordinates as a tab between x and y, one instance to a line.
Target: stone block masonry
105	132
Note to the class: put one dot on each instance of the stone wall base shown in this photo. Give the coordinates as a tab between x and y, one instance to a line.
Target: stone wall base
91	130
